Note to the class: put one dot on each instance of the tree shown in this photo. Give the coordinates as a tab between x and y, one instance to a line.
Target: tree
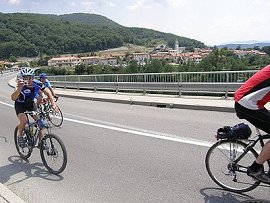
12	59
80	69
266	50
132	67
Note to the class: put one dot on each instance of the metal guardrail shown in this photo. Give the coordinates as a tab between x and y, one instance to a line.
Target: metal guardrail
224	82
179	77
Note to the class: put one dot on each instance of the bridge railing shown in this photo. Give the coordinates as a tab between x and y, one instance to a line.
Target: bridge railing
204	82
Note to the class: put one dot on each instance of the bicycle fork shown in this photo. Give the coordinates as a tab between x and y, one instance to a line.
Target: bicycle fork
232	165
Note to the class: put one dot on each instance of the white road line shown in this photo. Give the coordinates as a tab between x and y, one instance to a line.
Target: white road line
11	105
135	132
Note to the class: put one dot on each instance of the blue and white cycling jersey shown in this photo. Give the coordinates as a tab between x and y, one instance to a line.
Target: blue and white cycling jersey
47	83
27	95
40	84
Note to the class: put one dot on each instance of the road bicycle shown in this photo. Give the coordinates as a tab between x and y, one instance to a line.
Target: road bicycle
55	118
52	149
227	161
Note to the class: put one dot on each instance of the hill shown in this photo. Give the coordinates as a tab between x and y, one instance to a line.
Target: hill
91	19
244	46
28	35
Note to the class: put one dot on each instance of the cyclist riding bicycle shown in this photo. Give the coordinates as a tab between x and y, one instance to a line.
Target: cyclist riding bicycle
46	82
250	100
24	95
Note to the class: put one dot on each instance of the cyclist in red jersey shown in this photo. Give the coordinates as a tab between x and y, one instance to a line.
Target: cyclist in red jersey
250	100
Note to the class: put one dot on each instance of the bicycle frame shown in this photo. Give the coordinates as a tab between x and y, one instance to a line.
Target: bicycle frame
251	145
51	147
35	125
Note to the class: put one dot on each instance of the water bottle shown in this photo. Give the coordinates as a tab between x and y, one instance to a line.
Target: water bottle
32	131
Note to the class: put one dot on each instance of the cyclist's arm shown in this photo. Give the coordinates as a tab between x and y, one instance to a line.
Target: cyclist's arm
50	96
48	84
39	97
51	89
17	92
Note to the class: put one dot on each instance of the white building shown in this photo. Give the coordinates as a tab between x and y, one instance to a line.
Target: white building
91	60
112	61
64	62
140	57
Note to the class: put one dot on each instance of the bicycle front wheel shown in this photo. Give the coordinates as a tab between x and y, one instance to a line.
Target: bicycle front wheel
56	118
26	151
53	154
221	166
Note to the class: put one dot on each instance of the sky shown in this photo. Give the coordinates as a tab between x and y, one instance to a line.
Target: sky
212	22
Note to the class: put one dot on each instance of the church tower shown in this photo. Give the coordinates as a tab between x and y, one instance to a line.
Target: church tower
176	47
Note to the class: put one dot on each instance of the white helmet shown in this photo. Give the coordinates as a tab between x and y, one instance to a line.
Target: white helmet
27	72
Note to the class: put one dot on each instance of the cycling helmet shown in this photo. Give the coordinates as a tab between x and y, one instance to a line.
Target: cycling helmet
27	72
42	75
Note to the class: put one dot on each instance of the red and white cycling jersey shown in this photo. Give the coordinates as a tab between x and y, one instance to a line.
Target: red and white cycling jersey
255	92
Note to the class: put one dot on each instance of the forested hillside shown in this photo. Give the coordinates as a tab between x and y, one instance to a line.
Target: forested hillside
30	35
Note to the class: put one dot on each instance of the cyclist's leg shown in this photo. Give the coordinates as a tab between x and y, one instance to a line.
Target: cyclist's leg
265	154
20	108
37	118
260	119
22	121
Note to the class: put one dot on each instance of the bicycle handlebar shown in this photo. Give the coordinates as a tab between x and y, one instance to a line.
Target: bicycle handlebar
31	113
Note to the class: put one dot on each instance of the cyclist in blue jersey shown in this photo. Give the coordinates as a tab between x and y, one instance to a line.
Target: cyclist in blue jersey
24	95
46	82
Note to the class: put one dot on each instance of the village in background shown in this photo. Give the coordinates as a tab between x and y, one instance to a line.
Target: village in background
120	57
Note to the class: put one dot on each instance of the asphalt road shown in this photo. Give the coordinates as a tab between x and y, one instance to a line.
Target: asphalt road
120	153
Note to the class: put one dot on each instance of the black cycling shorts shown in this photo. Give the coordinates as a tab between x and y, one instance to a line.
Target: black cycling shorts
21	107
260	118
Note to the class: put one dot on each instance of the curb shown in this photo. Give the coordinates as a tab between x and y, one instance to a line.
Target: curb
6	195
151	103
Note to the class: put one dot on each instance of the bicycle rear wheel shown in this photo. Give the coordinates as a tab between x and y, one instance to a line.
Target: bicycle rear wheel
25	152
53	154
56	118
220	166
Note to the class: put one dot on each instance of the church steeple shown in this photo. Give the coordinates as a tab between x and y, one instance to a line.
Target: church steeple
176	47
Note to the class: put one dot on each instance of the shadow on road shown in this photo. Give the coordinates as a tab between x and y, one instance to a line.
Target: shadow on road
217	195
19	165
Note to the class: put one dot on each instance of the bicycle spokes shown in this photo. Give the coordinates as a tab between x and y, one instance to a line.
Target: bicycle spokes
54	155
226	164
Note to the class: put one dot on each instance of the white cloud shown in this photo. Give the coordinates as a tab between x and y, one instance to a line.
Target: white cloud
110	4
176	3
260	2
89	6
137	5
72	4
14	2
97	6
